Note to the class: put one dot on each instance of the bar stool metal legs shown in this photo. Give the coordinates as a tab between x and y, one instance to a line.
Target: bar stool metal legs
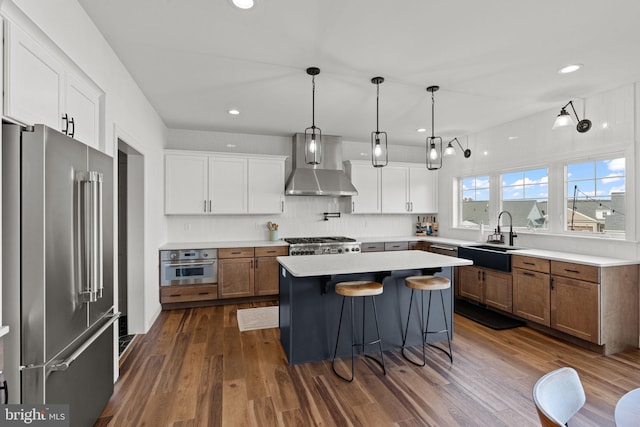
363	343
424	327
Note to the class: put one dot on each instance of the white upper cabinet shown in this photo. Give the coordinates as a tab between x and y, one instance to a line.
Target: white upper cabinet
40	88
266	186
423	190
186	185
200	183
366	179
395	189
228	191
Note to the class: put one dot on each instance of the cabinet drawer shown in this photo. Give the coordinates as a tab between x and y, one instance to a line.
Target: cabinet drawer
169	294
272	251
372	247
419	246
530	263
235	253
576	271
396	246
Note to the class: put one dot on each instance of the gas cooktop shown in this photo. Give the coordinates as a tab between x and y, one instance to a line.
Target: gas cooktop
322	245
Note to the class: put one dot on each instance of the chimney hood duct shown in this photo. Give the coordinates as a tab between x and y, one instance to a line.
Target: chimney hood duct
325	179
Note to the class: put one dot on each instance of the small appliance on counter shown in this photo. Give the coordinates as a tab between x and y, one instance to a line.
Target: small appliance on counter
427	226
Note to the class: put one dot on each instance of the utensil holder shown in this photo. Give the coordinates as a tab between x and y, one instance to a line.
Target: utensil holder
273	235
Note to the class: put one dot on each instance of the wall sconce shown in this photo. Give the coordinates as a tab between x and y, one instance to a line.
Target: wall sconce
565	119
379	148
434	143
451	151
313	134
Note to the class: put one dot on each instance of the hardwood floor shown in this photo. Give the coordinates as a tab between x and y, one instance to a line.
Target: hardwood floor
194	368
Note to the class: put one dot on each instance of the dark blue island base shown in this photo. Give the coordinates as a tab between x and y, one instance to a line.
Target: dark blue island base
310	310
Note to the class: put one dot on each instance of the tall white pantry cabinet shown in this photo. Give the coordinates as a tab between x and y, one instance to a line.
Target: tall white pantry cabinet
204	183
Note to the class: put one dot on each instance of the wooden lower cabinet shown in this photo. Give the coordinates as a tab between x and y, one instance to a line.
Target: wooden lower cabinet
490	287
266	280
575	308
498	290
235	277
242	276
188	293
532	296
470	283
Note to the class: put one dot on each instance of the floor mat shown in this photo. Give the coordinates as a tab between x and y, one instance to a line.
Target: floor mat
485	316
251	319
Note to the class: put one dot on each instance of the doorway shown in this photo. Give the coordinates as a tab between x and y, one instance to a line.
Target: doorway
130	242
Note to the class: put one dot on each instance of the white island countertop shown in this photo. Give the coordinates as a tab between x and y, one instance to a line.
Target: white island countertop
369	262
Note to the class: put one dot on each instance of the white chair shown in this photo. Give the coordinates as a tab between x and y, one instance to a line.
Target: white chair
558	396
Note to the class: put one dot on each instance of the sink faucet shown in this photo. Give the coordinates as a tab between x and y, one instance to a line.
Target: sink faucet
512	235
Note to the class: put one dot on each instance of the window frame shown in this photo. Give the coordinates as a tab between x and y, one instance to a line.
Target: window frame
523	170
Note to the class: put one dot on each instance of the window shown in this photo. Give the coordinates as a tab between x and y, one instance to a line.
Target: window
475	201
596	196
525	196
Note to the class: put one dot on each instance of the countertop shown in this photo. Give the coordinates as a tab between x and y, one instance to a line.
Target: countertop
597	261
368	262
223	244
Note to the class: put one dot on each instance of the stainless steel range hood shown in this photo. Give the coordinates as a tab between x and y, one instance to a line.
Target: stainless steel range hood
325	179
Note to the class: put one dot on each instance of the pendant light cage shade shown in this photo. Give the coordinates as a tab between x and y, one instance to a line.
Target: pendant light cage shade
313	134
312	145
434	153
379	151
379	147
434	143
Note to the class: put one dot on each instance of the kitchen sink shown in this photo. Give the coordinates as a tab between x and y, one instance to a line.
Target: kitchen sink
488	256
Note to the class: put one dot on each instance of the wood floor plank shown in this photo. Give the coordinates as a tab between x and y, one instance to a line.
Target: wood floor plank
194	368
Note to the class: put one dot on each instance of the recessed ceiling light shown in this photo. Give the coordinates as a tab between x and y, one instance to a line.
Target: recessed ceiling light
570	68
231	145
233	112
243	4
605	125
511	138
364	154
486	153
421	130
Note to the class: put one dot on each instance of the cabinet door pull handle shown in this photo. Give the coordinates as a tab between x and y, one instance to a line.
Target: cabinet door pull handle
203	293
484	276
353	206
256	262
526	273
571	271
72	132
552	284
236	253
175	295
281	205
528	263
65	126
209	205
478	274
205	206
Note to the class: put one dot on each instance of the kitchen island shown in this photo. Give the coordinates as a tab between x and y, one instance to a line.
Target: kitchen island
310	308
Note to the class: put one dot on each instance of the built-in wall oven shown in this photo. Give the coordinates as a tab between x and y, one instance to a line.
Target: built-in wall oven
188	267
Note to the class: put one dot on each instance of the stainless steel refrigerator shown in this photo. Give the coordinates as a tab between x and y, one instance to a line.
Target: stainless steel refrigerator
57	206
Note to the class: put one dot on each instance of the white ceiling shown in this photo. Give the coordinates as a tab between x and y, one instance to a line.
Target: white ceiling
495	61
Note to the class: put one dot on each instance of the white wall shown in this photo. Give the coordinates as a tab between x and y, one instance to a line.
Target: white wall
128	114
536	145
303	214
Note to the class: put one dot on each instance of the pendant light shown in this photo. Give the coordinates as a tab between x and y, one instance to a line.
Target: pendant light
434	143
565	119
379	152
313	134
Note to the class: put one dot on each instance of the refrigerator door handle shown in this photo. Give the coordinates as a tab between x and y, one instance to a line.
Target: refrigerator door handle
64	365
90	192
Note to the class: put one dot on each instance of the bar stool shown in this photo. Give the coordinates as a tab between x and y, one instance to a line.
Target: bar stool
358	289
422	284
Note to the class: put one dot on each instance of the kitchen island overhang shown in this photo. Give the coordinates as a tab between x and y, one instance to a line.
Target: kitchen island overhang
309	307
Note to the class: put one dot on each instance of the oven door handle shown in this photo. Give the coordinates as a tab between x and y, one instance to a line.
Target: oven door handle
191	264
